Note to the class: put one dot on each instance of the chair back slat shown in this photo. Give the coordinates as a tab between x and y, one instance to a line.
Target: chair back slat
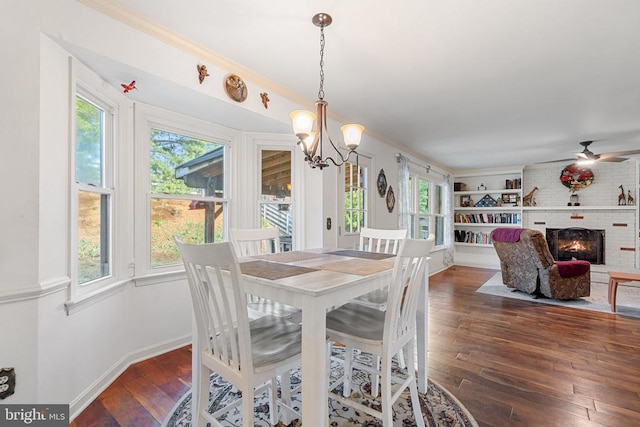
404	290
380	240
255	241
219	301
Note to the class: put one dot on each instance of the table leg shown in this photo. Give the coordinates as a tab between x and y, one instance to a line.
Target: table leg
614	291
315	381
422	327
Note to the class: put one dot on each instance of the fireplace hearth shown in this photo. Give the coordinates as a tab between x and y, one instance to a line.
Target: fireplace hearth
574	243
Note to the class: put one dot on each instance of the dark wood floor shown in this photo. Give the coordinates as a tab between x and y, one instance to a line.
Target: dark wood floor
509	362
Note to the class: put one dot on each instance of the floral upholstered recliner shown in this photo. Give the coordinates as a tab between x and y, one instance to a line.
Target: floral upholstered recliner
527	265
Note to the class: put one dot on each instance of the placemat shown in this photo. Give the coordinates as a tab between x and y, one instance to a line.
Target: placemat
361	254
289	256
272	270
361	267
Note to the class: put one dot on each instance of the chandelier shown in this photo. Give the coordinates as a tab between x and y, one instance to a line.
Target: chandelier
310	142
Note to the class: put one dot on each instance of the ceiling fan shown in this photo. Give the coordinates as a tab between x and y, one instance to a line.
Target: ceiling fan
587	155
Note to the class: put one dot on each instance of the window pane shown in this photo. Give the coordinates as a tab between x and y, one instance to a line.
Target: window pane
423	197
439	231
276	175
89	143
278	215
181	164
93	236
436	199
193	221
423	232
355	197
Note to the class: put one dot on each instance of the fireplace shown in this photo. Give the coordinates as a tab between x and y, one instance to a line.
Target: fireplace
567	244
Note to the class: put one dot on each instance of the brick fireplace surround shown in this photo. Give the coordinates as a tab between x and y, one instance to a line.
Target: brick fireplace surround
598	209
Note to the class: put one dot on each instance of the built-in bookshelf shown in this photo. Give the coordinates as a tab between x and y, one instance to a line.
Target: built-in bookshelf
483	201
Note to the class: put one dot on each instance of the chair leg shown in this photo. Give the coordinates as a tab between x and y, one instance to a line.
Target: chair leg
273	398
203	396
385	373
285	390
413	387
375	379
401	362
248	403
348	360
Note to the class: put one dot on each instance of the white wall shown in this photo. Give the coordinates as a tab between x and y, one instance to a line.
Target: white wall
62	358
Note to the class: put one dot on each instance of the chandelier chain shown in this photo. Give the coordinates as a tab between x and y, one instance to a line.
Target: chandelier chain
321	90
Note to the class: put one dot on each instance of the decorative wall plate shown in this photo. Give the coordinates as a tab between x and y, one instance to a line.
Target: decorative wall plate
391	199
575	177
235	87
382	183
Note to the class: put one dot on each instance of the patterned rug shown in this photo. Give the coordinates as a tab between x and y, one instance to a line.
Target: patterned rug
627	301
439	407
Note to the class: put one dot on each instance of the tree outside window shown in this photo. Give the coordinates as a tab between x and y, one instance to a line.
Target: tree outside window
355	197
93	143
187	193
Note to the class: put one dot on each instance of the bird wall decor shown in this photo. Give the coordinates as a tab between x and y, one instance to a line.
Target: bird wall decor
128	87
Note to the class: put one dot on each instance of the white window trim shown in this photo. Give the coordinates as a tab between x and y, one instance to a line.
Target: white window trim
89	86
147	117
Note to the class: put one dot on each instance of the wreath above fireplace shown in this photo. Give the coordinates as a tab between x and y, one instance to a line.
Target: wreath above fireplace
575	177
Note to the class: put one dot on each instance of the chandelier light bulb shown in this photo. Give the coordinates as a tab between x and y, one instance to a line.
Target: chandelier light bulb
302	121
352	134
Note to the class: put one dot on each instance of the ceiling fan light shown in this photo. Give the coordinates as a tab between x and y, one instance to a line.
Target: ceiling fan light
302	121
352	134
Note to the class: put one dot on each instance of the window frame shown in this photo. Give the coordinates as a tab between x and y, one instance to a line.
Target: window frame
110	109
362	162
414	209
148	117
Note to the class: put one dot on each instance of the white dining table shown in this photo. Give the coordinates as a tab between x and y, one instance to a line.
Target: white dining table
315	281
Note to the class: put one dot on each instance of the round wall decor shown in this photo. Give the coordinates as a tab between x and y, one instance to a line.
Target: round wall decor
575	177
235	87
391	199
382	183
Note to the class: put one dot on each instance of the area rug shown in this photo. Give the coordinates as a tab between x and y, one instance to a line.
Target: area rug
627	301
439	407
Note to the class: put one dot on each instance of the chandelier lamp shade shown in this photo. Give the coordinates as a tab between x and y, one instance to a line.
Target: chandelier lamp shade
304	122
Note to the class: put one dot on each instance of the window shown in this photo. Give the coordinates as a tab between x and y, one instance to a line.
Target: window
355	197
276	207
94	189
426	214
187	190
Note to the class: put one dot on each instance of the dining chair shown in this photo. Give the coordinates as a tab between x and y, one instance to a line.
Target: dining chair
384	333
382	241
261	241
248	354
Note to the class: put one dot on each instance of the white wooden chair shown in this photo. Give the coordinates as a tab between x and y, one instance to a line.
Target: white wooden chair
260	241
255	241
382	241
384	333
248	354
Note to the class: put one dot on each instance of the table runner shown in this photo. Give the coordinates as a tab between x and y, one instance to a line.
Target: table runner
361	267
361	254
289	256
272	270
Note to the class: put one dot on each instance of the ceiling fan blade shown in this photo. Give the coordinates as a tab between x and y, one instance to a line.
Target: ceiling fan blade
573	159
613	159
619	154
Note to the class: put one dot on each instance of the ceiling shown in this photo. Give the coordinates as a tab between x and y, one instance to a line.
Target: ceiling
465	83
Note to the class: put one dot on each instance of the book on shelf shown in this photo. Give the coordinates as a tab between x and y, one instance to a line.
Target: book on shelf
474	237
488	218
